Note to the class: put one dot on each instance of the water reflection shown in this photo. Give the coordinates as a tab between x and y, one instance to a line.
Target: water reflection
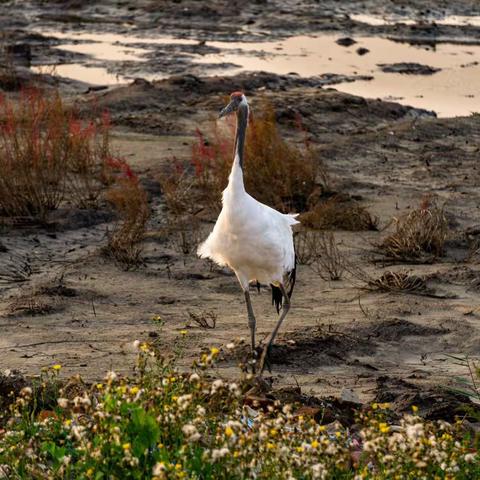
453	91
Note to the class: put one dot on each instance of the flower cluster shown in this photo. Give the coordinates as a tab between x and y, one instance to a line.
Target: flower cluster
167	424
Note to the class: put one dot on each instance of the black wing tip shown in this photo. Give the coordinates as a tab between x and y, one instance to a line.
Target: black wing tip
277	295
277	298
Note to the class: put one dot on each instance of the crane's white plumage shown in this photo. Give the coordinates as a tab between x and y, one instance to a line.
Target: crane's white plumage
251	238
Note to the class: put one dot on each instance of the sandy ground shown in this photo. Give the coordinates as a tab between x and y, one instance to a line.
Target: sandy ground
337	335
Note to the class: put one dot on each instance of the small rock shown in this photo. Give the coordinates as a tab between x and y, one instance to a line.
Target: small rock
348	395
408	68
345	41
362	50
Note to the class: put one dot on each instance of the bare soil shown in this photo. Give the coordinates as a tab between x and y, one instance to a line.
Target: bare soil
76	308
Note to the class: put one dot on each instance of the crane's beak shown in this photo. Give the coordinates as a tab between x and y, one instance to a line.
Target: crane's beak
231	107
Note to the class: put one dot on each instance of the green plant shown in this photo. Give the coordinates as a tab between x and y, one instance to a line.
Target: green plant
166	424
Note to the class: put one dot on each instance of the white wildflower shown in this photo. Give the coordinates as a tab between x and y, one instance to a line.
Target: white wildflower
191	432
319	471
158	469
194	377
469	457
184	401
414	431
26	392
62	402
216	385
111	376
218	453
78	431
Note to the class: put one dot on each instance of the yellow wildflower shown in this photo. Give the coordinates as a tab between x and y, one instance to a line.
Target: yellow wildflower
126	446
271	446
229	431
315	444
384	428
57	367
99	386
134	390
214	351
183	332
273	432
414	408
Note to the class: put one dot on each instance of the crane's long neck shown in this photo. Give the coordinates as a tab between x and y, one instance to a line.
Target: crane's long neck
242	120
235	181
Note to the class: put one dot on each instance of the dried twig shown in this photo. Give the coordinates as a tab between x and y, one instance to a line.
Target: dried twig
204	319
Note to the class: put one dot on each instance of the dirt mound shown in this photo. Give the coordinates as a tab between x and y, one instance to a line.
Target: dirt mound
397	328
434	403
319	346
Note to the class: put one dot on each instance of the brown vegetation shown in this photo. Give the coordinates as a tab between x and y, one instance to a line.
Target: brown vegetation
340	213
419	234
130	201
47	156
319	250
276	173
398	282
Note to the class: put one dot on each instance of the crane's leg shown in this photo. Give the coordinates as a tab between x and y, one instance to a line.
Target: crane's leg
285	309
251	319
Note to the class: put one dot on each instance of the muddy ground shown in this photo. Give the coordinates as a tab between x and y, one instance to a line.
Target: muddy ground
81	310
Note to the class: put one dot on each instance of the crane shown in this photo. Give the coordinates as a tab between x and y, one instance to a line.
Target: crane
251	238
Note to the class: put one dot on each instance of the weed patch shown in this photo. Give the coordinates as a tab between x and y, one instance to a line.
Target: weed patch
47	156
164	424
339	213
419	235
130	201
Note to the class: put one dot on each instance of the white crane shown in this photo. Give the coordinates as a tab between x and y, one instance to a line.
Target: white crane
251	238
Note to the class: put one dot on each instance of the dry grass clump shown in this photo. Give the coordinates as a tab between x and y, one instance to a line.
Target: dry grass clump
276	173
330	261
472	236
340	213
398	282
319	250
419	235
15	269
206	319
130	201
47	156
31	305
306	246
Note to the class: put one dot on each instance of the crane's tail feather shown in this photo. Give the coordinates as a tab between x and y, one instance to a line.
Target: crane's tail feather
277	295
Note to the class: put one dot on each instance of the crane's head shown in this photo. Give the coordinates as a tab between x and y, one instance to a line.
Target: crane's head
237	101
